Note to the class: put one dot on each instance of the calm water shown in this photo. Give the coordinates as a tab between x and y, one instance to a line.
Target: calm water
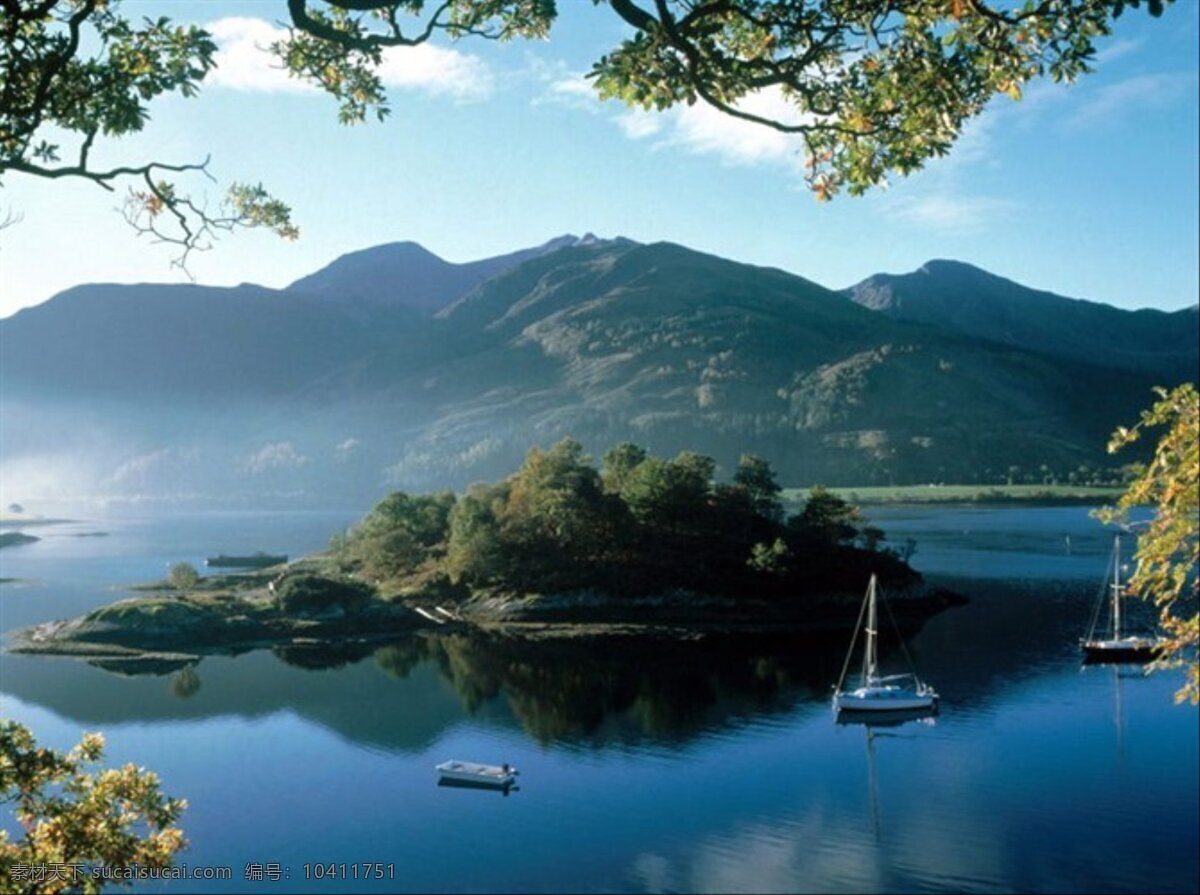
647	766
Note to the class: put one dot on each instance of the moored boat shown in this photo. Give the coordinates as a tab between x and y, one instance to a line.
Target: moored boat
471	773
258	560
875	693
1116	647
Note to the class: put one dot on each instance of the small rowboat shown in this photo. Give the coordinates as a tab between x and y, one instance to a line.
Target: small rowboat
477	774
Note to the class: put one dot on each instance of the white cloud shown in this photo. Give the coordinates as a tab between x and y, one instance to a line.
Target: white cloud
244	63
279	455
243	60
639	124
343	451
1113	100
140	470
947	210
565	88
1118	48
437	70
704	130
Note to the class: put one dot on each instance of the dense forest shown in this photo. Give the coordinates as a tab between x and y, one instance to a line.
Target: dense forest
638	525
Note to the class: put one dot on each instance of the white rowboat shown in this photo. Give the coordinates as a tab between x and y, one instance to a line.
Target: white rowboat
478	774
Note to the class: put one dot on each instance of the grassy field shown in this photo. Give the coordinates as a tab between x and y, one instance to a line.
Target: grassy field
1044	494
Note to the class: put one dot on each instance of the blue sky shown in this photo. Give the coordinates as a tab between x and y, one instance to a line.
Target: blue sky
1090	190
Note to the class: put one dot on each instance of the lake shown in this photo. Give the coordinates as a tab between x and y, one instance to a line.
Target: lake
646	766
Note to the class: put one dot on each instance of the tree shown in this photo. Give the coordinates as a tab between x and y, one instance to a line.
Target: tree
113	818
183	576
873	86
558	522
619	461
756	476
671	496
475	554
828	516
1168	553
400	533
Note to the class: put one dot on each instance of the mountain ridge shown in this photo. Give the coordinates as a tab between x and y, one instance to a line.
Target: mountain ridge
248	390
967	299
407	274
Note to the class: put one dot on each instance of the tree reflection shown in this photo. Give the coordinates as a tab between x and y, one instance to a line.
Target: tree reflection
185	682
618	689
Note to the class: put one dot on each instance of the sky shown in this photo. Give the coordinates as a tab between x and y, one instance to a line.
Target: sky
1090	190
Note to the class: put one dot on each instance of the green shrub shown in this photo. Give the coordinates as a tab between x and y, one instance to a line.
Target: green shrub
312	594
183	576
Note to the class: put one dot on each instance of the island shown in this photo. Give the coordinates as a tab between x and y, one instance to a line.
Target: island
16	538
560	548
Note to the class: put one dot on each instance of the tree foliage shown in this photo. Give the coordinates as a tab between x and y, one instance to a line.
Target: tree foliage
650	524
183	576
114	818
756	476
872	86
77	70
829	517
1168	554
400	533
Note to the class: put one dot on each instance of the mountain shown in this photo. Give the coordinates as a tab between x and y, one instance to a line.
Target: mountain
184	341
405	274
964	299
248	395
678	349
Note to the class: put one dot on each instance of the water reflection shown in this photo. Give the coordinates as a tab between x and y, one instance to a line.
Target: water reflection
586	692
706	765
877	724
403	694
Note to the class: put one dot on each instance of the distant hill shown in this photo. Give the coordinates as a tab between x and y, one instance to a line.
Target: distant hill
184	341
965	299
405	274
337	392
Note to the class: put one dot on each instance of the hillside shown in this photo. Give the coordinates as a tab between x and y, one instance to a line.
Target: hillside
964	299
252	395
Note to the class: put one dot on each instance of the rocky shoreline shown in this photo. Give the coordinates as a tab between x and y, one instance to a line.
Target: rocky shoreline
176	629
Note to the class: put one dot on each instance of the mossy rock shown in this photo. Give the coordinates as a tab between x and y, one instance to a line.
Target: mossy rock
157	613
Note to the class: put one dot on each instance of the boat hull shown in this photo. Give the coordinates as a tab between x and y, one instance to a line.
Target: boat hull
861	704
885	699
1096	652
885	718
245	562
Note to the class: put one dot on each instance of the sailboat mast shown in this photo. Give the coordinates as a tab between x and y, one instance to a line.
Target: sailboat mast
869	657
1116	586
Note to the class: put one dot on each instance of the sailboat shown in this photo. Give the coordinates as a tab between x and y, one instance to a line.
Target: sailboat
1115	647
891	693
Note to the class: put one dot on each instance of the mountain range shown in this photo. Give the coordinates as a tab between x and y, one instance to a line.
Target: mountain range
391	367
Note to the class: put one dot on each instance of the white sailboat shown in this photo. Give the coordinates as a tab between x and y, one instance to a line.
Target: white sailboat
1116	647
890	693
